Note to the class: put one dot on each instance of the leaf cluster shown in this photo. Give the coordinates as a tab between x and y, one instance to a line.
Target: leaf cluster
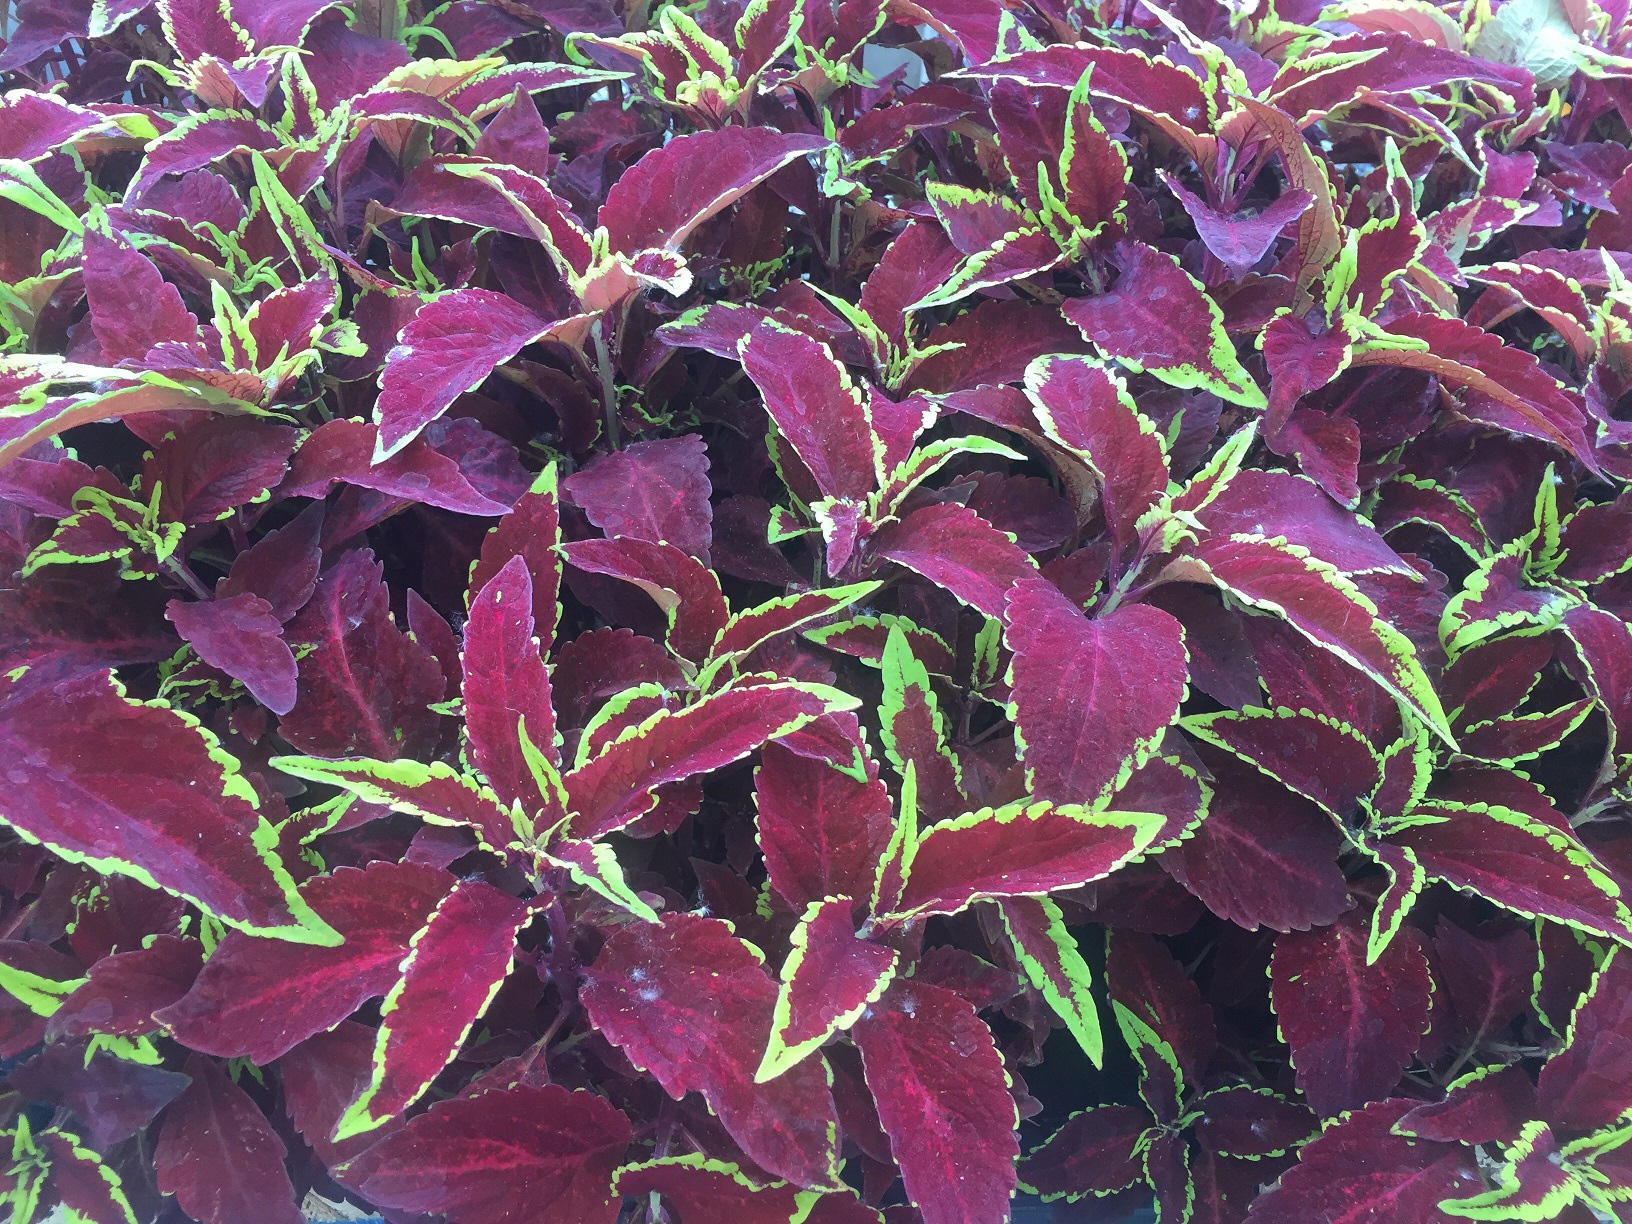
815	611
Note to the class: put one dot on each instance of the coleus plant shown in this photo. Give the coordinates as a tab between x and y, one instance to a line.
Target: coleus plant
816	612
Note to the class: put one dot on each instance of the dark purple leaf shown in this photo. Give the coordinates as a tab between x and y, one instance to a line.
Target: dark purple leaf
112	1097
1240	240
241	636
691	1003
1096	1152
364	684
1353	1026
1359	1170
219	1156
1263	857
1488	1105
655	491
1584	1085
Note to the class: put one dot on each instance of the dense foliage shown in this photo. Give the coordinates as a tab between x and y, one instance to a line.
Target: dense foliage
683	614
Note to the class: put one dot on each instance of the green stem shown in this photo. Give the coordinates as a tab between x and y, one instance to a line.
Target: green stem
187	578
609	387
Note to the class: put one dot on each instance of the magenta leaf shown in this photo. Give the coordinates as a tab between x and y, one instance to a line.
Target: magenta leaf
1487	981
1015	253
691	1003
132	306
531	529
1532	1180
112	1097
502	1153
914	731
1024	849
1167	1169
1594	542
674	189
41	418
322	1076
1171	786
1093	171
441	467
504	198
449	347
436	793
40	123
246	1005
281	567
618	786
458	961
1092	697
209	469
1159	319
1314	755
1127	76
77	1179
822	831
1353	1026
1503	385
817	409
1297	678
943	1099
1326	607
686	591
830	977
1161	1079
692	1185
1085	408
959	551
507	688
701	1189
752	628
603	663
1516	860
145	791
1274	504
997	341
